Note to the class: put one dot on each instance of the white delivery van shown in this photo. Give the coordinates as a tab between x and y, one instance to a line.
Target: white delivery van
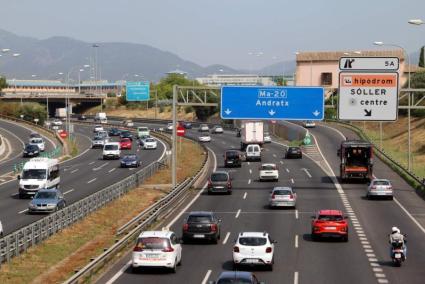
38	173
111	150
101	117
142	131
253	152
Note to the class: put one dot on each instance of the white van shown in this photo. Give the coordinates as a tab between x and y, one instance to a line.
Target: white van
142	131
38	173
253	152
111	150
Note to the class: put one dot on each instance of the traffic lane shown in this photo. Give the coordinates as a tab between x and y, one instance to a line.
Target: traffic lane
374	215
76	184
12	153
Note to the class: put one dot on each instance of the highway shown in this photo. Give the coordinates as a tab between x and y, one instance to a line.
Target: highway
81	176
364	259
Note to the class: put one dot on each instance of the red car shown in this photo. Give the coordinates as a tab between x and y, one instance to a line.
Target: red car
329	223
125	144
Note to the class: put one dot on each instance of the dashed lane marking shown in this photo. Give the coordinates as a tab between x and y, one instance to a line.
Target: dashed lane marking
287	170
249	181
23	211
237	213
292	181
250	171
91	163
207	276
92	180
296	213
66	192
226	238
74	171
296	277
244	195
111	170
281	162
296	241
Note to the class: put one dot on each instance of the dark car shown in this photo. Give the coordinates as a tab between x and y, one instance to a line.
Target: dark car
81	117
236	277
35	135
201	225
131	160
232	158
126	134
294	152
47	200
238	132
186	125
31	150
220	181
114	132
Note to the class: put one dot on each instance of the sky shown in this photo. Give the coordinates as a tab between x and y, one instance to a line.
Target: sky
238	33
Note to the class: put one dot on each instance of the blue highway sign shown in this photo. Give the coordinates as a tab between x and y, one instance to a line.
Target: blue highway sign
137	91
271	103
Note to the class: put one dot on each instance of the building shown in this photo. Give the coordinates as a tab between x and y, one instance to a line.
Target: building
322	68
236	79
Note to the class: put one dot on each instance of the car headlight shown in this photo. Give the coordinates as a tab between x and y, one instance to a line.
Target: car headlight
31	205
25	152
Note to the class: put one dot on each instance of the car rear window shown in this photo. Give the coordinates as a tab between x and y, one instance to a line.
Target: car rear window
234	281
153	243
232	154
330	218
282	192
219	177
252	241
381	182
111	147
199	219
268	168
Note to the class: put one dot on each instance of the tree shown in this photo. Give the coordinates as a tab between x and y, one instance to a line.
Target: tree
421	57
3	83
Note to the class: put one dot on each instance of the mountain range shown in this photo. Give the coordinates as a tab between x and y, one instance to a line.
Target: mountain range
45	59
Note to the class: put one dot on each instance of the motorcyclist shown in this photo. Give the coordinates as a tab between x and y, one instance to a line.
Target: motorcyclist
397	236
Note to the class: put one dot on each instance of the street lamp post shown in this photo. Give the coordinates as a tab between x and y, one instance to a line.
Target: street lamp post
409	151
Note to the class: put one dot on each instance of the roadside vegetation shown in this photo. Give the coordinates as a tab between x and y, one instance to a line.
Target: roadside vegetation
56	259
30	111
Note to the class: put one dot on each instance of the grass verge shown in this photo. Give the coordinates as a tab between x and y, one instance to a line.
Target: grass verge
56	259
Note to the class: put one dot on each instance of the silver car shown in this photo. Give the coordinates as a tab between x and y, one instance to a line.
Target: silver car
283	197
380	188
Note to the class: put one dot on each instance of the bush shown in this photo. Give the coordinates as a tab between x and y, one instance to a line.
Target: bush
161	109
30	111
188	109
330	113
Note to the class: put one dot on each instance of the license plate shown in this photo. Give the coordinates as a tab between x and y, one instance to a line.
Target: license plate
230	162
152	255
330	228
218	187
398	255
199	236
253	260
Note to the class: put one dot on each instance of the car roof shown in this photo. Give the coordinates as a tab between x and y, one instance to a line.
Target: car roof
201	213
298	147
159	234
253	234
380	179
235	274
112	143
220	172
330	212
282	188
268	164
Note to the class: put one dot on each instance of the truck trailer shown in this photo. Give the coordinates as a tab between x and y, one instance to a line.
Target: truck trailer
252	132
356	158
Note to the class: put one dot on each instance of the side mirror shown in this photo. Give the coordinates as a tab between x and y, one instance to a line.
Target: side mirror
18	177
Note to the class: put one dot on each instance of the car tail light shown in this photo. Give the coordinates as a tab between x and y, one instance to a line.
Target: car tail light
229	184
137	249
268	250
390	187
185	227
235	249
168	249
373	187
209	183
291	196
214	227
273	196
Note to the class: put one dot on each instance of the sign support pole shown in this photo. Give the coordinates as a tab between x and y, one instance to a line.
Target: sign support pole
174	139
380	135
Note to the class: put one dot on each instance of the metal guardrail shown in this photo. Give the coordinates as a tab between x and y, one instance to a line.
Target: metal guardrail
19	241
385	155
134	226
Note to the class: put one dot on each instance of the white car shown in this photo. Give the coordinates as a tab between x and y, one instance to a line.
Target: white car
150	143
253	248
57	122
98	128
157	249
309	124
111	150
99	142
380	188
169	127
269	172
204	138
282	196
217	129
267	138
1	230
128	123
38	142
203	128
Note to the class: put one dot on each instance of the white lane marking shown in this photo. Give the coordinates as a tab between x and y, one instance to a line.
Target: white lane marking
249	163
207	276
296	277
66	192
74	171
23	211
101	166
281	162
377	269
92	180
250	171
296	213
274	155
383	281
111	170
249	181
237	213
91	163
226	238
296	241
306	172
410	215
244	195
292	181
380	275
119	273
287	170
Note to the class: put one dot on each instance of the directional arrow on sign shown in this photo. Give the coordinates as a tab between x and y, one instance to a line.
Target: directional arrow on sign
368	112
227	111
272	112
316	113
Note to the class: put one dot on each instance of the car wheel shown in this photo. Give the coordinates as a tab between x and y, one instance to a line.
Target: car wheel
215	240
135	269
229	192
21	195
345	238
235	266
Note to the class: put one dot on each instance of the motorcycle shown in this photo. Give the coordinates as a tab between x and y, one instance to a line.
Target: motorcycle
397	253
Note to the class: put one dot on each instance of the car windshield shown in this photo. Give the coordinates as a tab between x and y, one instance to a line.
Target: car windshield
31	147
219	177
252	241
381	182
199	219
130	157
234	281
143	129
282	192
126	140
45	195
111	147
34	174
232	154
97	138
330	218
266	134
36	141
125	133
150	140
293	148
153	243
268	167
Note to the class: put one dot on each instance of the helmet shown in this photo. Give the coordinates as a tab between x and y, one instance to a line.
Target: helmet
395	230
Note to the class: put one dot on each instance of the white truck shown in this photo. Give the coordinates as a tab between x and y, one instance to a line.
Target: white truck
60	113
252	132
101	117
